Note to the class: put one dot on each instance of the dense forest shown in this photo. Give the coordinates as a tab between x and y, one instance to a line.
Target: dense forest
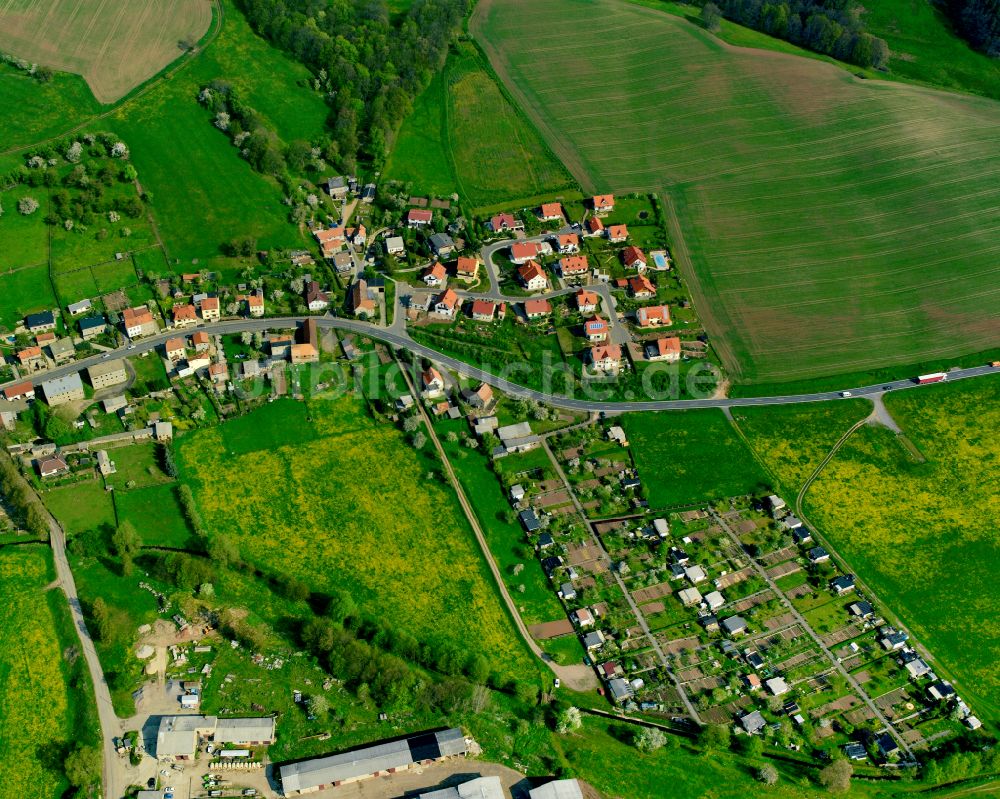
831	27
370	65
979	22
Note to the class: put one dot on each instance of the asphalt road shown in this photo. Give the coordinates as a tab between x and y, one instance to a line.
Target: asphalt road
401	339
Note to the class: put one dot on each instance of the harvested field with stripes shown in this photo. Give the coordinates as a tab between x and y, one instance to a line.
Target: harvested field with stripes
828	224
114	46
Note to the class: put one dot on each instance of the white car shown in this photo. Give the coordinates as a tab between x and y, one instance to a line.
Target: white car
845	394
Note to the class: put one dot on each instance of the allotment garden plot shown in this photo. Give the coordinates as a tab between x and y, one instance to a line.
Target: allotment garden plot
355	509
831	225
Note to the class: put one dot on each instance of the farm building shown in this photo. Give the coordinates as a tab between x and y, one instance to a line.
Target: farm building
371	761
477	788
559	789
61	390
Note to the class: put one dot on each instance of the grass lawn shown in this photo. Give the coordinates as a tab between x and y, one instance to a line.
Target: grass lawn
537	602
24	291
137	463
156	514
39	712
686	457
792	440
174	144
82	506
464	134
799	151
354	509
923	535
34	111
22	238
419	155
283	422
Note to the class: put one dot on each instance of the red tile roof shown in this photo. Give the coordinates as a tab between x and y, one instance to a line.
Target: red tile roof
466	266
573	265
603	202
605	352
483	308
639	285
184	313
551	210
653	315
419	215
529	271
594	225
632	255
520	250
532	307
449	299
20	390
667	346
617	231
586	298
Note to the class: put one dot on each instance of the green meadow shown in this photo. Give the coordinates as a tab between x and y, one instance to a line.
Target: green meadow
688	457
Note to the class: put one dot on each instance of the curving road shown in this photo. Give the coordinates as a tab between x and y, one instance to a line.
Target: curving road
400	338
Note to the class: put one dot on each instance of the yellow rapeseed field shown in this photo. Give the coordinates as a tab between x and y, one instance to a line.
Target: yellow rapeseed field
34	704
355	509
924	535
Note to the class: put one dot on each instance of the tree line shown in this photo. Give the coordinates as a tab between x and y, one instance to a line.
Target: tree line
831	27
369	66
978	21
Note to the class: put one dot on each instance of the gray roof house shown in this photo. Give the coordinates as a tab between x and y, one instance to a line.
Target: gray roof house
620	690
734	625
442	244
753	722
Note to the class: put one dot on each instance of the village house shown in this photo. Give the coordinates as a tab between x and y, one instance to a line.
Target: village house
315	298
62	350
77	308
617	233
582	618
361	303
603	203
40	322
595	329
442	245
641	288
446	303
568	243
201	341
357	236
435	275
689	596
573	267
184	315
550	212
107	373
606	357
593	640
634	258
418	218
21	391
61	390
536	309
818	555
664	349
45	338
331	240
482	398
394	245
532	277
279	344
505	222
523	251
467	269
653	316
336	187
586	301
210	308
174	349
303	353
483	310
217	373
52	467
31	358
432	382
594	226
842	584
139	322
92	327
255	304
734	625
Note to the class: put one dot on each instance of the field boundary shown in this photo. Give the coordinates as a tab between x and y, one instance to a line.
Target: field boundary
214	29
